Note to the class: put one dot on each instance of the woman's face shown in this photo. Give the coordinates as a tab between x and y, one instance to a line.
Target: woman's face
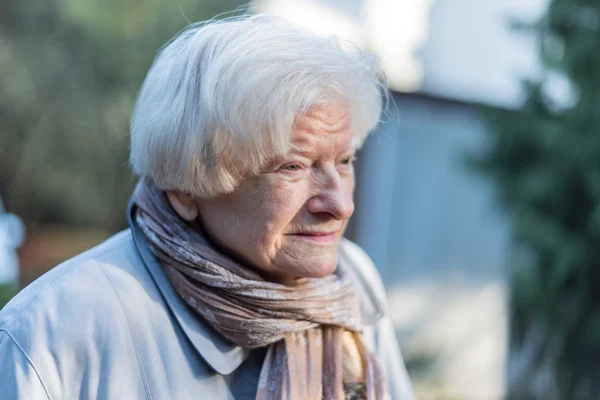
288	220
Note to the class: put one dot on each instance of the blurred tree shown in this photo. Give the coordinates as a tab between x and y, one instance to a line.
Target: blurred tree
546	163
6	293
69	74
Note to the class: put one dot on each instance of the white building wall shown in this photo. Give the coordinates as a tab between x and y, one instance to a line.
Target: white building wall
472	53
457	49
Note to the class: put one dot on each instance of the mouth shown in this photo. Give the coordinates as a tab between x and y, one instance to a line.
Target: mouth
316	237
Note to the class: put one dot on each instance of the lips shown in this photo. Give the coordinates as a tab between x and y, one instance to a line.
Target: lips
316	233
317	237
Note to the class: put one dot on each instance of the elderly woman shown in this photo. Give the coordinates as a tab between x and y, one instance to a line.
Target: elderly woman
233	280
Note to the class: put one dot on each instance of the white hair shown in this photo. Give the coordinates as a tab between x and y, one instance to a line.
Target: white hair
220	99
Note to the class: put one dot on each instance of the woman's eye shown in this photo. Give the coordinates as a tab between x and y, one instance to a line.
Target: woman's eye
348	160
291	167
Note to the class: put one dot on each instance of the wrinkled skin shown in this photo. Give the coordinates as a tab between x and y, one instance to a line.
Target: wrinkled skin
287	221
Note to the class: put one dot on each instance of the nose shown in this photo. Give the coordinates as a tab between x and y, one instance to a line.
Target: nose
333	197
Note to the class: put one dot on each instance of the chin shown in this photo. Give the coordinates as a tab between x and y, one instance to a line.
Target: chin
318	268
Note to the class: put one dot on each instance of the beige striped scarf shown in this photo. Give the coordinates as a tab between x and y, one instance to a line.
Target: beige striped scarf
312	331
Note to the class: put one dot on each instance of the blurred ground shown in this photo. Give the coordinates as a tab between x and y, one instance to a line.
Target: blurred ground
455	338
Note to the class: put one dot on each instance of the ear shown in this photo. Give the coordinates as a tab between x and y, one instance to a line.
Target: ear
184	204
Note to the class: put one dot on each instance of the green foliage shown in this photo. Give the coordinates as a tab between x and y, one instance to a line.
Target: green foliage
546	163
69	74
7	291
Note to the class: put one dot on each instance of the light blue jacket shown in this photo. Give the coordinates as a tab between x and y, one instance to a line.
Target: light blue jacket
107	324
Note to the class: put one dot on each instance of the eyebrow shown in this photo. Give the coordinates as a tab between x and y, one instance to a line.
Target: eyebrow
306	151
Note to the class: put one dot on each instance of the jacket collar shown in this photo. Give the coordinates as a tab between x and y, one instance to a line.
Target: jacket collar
223	356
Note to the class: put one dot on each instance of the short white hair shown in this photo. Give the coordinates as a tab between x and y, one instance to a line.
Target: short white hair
220	99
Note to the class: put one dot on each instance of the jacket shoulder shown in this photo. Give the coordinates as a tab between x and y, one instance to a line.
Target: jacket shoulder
81	320
80	280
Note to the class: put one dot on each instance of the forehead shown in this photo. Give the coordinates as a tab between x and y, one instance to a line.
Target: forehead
327	127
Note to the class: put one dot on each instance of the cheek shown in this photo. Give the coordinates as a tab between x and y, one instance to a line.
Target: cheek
280	208
265	209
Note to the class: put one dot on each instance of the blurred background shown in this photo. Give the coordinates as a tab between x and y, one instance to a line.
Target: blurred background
478	197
